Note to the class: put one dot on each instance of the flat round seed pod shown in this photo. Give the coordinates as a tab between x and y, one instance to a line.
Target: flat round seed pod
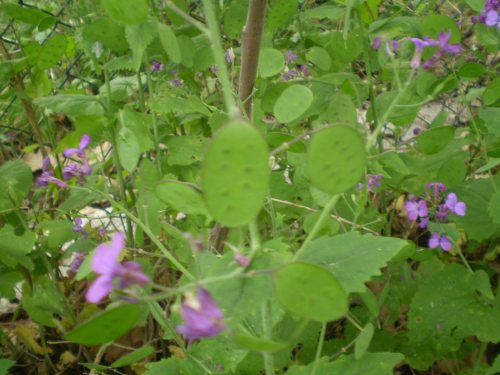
336	159
235	174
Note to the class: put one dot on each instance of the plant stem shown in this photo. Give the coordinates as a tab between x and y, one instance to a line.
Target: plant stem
251	39
317	226
461	255
214	36
480	354
319	349
267	324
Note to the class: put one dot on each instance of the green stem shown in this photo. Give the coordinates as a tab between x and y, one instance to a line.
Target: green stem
214	36
461	255
480	354
267	324
319	348
317	226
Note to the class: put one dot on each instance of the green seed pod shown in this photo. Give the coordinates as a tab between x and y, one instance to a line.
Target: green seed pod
235	174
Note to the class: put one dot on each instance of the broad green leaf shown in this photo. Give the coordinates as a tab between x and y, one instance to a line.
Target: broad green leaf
181	197
139	37
128	12
320	57
259	344
133	357
51	52
179	106
169	42
434	140
293	103
221	350
106	326
43	301
434	24
5	365
234	18
353	258
453	171
472	71
491	118
271	62
280	14
14	249
235	175
185	150
276	140
363	341
310	291
107	32
336	159
494	207
331	12
477	195
450	304
30	15
341	110
492	92
128	148
16	179
8	281
72	105
58	232
188	49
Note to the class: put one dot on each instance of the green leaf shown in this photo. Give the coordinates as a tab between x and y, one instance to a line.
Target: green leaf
369	364
293	103
8	281
492	92
336	159
434	140
310	292
280	14
447	308
28	15
106	326
331	12
14	249
44	301
453	171
341	110
16	179
235	174
271	62
363	341
58	232
234	18
185	150
188	49
494	207
128	148
169	42
491	118
181	197
51	52
128	12
434	24
72	105
107	32
472	71
133	357
139	37
353	258
320	57
222	350
5	365
259	344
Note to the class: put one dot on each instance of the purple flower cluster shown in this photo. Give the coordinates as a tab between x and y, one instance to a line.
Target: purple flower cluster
489	16
202	316
440	207
372	181
80	171
292	70
442	44
156	66
112	273
48	175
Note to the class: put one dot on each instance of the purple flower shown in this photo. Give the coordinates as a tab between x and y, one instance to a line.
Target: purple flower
84	143
290	57
441	212
79	228
230	55
78	259
377	42
442	44
489	15
373	181
436	187
416	131
458	208
157	66
423	223
111	272
416	209
437	240
80	171
202	317
48	175
242	260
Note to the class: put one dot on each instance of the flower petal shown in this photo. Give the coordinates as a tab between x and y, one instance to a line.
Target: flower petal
100	288
105	260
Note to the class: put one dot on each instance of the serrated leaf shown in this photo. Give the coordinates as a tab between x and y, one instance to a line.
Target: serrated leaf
353	258
106	326
336	159
128	12
293	103
235	174
139	37
310	291
169	42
